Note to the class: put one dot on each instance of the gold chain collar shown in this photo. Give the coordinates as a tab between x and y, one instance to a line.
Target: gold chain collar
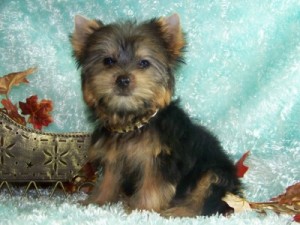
135	126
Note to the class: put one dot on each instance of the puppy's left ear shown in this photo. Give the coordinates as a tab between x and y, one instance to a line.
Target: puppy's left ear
173	34
83	29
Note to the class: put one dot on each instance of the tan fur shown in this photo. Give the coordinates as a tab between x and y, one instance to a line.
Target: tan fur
153	193
172	33
88	96
101	81
193	203
201	191
143	87
108	190
83	28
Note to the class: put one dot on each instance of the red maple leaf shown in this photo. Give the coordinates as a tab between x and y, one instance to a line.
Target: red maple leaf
297	218
12	111
240	167
38	112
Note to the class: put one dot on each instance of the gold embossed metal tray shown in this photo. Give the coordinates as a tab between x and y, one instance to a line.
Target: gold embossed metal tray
32	157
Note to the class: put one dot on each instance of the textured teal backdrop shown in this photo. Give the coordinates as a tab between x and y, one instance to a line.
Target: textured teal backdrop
241	78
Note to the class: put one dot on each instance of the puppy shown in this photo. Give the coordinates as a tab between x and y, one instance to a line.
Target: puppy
152	155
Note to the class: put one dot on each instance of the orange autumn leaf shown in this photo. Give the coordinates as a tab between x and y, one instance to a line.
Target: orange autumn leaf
240	167
39	113
14	79
291	194
12	111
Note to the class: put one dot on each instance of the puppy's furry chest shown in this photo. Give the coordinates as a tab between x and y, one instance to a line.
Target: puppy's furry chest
130	151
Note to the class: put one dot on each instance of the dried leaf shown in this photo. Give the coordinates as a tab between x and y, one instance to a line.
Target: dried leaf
12	111
292	209
84	181
291	194
241	168
39	113
89	172
237	203
14	79
288	202
70	187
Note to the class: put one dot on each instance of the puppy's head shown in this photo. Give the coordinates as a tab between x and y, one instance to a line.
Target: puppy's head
127	67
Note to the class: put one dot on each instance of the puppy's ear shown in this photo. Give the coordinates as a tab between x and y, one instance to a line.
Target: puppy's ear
173	34
83	29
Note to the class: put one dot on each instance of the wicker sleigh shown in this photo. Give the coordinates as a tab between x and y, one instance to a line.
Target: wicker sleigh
31	157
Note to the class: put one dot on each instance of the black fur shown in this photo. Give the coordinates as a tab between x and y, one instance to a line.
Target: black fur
195	151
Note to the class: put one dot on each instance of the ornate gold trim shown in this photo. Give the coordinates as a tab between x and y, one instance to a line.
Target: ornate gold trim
29	155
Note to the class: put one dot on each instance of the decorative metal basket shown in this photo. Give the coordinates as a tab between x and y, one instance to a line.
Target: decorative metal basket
32	157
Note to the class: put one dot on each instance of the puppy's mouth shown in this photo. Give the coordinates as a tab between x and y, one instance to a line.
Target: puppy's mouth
123	92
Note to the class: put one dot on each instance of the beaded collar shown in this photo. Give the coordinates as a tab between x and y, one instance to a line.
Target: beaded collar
131	127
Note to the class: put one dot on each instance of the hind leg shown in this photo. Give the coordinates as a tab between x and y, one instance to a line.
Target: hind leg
192	205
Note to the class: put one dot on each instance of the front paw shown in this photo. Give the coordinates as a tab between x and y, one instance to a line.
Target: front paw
86	202
93	200
179	212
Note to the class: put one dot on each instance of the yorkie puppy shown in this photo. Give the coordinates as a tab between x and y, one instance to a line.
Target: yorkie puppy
152	155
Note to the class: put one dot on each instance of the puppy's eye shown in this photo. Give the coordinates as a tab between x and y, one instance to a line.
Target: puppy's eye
109	61
143	64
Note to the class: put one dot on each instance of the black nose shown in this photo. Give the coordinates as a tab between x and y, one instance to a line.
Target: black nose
123	81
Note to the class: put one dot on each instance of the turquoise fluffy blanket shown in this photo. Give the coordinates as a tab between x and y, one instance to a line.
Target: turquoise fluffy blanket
241	80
